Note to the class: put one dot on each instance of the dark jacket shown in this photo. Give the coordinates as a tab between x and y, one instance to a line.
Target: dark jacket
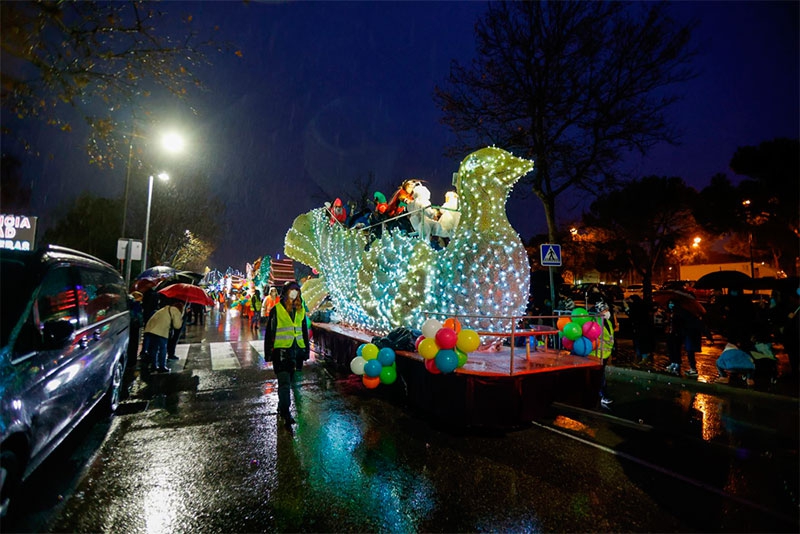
284	359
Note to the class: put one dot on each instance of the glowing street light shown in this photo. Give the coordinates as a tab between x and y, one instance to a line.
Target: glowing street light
171	142
163	176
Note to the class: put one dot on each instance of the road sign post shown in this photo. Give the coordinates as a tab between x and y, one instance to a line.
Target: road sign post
128	250
550	255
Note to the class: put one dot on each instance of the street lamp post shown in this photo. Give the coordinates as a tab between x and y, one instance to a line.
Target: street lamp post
164	176
747	207
171	142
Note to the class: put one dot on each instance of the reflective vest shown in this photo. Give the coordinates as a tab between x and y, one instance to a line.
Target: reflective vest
288	330
606	345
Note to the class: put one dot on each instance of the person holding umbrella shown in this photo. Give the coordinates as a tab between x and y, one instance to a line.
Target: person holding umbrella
684	329
285	343
184	294
156	333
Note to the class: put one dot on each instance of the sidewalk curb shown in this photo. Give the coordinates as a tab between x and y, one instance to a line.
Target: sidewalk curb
623	373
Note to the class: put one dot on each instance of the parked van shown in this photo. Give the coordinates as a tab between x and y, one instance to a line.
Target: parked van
64	332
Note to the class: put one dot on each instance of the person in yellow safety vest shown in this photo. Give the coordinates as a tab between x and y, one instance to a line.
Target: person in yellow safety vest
255	305
606	346
286	344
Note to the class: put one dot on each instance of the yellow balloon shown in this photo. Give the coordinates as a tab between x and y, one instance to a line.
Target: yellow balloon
468	340
428	348
369	352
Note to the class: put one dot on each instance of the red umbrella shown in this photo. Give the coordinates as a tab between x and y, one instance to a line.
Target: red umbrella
187	293
685	300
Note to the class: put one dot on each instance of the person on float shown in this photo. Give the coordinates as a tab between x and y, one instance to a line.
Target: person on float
380	203
376	217
448	219
285	343
420	212
398	205
338	212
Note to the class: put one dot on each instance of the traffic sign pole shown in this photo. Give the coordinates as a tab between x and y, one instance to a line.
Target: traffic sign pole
550	256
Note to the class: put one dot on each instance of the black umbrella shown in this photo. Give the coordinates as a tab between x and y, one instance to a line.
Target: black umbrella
723	279
784	285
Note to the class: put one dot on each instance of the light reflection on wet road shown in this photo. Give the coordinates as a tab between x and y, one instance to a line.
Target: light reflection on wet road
205	453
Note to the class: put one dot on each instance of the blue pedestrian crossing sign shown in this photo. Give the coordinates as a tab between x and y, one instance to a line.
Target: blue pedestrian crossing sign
551	255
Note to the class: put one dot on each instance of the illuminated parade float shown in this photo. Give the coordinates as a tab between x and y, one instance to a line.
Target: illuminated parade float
481	361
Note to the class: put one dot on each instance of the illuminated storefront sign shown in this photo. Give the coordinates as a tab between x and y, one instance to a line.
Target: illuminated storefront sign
18	232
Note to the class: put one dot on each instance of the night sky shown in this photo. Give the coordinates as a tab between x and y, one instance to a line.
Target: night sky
325	93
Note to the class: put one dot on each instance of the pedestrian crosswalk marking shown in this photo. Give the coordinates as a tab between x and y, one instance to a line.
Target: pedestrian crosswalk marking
223	357
258	345
182	352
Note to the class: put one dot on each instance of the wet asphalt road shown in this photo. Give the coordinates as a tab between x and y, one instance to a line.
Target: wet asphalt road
200	450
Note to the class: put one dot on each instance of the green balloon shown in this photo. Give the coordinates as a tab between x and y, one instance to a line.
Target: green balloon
388	374
462	357
580	320
573	330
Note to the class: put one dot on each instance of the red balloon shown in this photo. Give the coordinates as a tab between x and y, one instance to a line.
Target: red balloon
567	343
430	365
446	338
419	340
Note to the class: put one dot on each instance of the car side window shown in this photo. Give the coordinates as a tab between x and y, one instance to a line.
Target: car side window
104	292
57	299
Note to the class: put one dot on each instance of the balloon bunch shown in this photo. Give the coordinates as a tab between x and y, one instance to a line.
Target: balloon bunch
375	366
579	332
445	346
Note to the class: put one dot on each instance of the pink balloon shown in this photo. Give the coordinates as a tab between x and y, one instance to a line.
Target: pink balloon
592	330
566	343
446	338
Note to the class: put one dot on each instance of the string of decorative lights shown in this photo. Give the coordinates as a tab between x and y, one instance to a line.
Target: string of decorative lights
482	275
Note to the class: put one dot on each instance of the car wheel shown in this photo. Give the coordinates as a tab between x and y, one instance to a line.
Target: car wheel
115	389
9	478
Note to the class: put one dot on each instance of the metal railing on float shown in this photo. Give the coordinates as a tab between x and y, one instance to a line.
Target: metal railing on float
536	331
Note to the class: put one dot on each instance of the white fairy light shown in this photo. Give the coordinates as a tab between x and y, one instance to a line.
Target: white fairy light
484	270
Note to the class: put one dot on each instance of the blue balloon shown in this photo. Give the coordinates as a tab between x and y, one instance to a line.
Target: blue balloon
373	368
386	356
359	349
446	360
582	346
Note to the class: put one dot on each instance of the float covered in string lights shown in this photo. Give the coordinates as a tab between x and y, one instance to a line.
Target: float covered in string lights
400	280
